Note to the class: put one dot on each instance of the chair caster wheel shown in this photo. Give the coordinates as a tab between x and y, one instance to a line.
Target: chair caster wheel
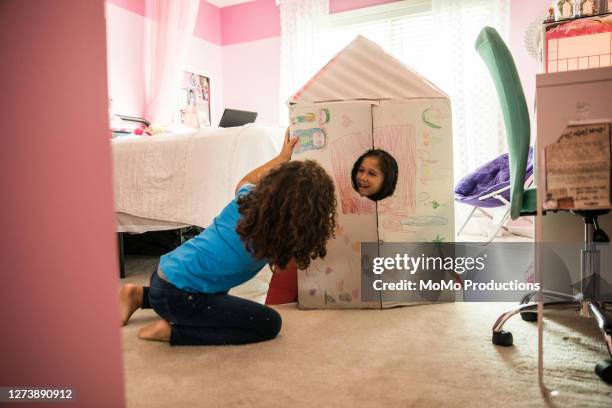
529	316
604	370
502	338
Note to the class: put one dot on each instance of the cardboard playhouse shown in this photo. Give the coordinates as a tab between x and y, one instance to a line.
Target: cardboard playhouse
362	99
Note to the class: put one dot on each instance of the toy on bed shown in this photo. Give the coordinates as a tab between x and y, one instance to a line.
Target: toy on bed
122	125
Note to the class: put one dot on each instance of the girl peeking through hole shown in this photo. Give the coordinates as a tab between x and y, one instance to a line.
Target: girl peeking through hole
374	174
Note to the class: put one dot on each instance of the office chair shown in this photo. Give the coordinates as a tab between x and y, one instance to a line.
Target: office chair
500	64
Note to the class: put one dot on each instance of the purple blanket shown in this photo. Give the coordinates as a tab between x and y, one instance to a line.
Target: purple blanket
488	178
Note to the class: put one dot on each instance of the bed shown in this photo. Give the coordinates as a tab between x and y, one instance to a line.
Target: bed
184	179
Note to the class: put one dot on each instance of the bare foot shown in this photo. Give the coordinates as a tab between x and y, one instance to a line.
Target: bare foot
159	330
130	300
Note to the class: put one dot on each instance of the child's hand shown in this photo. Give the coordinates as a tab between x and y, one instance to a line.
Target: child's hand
288	146
254	176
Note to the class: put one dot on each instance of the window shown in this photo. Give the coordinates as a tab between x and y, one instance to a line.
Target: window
401	28
436	39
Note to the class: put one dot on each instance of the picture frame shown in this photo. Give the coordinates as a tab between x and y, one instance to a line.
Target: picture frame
194	98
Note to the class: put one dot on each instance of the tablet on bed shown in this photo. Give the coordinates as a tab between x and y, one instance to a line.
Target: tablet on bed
233	117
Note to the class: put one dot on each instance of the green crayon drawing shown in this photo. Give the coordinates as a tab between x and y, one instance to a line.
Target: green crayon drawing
430	116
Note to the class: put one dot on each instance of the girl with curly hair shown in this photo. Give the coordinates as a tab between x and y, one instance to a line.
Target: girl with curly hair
283	210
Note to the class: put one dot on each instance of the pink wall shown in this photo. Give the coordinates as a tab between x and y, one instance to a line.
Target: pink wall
250	21
251	72
208	23
522	13
59	260
336	6
125	60
135	6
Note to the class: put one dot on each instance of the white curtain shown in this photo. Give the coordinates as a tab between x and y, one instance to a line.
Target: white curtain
301	23
478	129
167	40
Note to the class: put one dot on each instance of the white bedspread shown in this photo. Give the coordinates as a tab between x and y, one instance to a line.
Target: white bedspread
188	178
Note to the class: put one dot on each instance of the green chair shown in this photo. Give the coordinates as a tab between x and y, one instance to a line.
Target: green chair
500	64
498	59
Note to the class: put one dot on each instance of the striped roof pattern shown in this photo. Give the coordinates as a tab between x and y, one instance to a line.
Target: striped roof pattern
363	70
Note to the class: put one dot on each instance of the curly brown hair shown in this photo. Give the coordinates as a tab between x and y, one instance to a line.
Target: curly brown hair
291	213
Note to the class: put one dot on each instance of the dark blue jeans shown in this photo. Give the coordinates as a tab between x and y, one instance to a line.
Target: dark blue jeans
210	319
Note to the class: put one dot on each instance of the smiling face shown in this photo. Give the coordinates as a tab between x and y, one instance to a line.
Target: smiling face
369	177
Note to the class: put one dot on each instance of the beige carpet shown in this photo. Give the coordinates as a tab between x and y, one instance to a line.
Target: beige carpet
425	356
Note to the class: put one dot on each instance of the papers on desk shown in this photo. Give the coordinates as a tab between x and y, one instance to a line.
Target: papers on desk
578	169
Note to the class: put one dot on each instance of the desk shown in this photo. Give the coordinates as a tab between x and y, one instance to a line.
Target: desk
563	97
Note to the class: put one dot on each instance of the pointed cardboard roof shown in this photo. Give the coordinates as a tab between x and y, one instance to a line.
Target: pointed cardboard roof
363	70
